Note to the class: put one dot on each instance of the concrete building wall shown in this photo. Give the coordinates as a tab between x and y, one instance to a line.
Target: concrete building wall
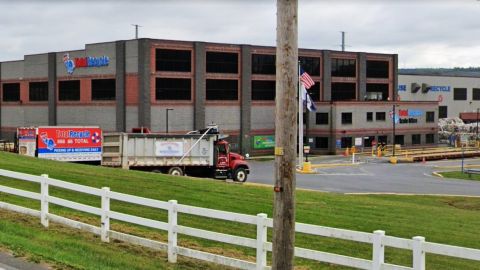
444	94
19	116
12	70
180	119
35	66
131	56
103	116
226	117
263	117
131	117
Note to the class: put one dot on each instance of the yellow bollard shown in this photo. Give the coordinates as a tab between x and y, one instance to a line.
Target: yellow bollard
307	167
379	152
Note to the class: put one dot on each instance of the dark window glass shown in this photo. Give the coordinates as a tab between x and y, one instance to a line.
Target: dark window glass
321	118
11	92
314	91
346	118
222	90
343	68
311	65
38	91
263	90
459	93
415	138
103	89
263	64
476	94
343	91
220	62
430	138
377	91
377	69
382	139
69	90
173	60
369	116
321	142
367	142
399	139
346	142
430	117
173	89
380	116
442	111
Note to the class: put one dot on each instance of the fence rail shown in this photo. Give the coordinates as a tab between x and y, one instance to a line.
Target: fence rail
377	239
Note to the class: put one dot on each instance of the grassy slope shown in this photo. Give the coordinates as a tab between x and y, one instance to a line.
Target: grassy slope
452	220
460	175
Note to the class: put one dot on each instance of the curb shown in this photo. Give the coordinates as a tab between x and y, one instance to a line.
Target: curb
437	174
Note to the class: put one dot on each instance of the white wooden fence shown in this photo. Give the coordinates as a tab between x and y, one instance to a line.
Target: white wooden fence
377	239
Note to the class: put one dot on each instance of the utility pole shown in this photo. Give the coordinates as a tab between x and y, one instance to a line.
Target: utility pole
343	41
283	241
136	30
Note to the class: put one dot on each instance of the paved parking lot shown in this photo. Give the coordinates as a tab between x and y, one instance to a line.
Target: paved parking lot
374	175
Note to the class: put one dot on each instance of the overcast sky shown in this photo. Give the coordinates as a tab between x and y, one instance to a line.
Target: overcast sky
442	33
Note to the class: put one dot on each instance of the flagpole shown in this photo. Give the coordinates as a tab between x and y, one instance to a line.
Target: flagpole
300	122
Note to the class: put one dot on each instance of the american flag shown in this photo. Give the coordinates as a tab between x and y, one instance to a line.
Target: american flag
306	79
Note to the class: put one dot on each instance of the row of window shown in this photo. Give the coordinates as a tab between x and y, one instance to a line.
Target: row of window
461	94
323	142
227	62
102	89
321	118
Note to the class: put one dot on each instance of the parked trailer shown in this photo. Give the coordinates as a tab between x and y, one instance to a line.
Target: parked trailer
200	153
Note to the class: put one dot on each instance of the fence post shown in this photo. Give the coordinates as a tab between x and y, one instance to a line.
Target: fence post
261	240
418	253
105	215
378	254
172	231
44	201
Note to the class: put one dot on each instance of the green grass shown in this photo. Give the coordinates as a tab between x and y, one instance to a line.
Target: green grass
460	175
448	220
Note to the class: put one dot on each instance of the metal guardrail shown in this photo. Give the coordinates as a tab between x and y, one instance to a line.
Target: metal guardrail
377	239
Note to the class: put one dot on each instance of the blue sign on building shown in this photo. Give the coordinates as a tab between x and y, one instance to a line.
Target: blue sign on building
402	87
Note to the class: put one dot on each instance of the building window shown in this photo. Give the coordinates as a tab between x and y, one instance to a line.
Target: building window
222	90
380	116
321	118
103	89
343	67
430	117
220	62
263	64
476	94
430	138
173	89
263	90
343	91
69	90
314	91
346	118
173	60
346	142
459	93
311	65
11	92
38	91
399	139
367	141
369	116
377	69
416	139
382	139
377	91
321	142
442	111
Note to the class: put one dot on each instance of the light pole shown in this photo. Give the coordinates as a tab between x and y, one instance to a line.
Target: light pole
393	123
166	122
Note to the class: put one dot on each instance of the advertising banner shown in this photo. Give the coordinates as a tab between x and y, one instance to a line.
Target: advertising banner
70	143
169	149
26	141
263	142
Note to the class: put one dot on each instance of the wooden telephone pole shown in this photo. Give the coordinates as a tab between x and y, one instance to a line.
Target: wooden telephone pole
285	135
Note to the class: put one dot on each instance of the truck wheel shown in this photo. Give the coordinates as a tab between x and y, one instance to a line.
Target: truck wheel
240	175
175	171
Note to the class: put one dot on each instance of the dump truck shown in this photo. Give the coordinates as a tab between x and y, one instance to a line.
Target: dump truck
203	153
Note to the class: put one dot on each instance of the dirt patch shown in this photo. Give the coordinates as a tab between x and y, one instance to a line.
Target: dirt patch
465	204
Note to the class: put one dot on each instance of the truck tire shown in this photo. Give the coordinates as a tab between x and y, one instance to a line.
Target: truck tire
177	171
240	175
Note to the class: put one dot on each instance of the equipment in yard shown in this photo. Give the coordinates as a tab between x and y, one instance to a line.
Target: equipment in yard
200	152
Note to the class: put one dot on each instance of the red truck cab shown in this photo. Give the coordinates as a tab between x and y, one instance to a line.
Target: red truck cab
230	164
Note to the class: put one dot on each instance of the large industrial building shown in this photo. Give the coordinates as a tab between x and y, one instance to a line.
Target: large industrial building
458	93
178	86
